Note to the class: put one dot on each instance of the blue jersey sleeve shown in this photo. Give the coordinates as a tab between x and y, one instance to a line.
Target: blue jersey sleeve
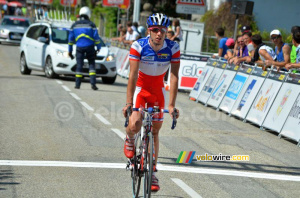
96	38
71	40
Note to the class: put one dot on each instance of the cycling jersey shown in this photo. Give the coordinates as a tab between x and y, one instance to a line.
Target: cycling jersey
152	68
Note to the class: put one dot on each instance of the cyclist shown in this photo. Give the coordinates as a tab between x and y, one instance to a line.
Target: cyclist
149	59
85	33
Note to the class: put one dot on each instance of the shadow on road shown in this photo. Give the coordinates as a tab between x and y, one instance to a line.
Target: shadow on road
6	179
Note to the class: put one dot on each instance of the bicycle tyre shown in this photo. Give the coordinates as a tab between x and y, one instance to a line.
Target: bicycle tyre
148	162
136	172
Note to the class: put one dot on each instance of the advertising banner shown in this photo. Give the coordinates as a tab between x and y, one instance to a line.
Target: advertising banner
292	125
191	7
222	86
123	4
207	70
248	93
72	3
233	91
211	82
191	67
283	103
265	98
122	59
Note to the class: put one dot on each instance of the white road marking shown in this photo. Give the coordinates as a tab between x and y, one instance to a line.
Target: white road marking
75	96
119	133
88	107
102	119
186	188
160	168
59	82
66	88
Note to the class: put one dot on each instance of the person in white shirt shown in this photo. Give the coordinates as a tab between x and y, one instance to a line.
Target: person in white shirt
131	35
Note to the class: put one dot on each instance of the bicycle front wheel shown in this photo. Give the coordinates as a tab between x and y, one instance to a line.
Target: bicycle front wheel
148	166
136	169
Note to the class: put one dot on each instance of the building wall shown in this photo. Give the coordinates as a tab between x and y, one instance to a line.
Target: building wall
272	14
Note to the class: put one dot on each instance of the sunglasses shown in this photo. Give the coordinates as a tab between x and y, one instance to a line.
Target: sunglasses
275	37
157	29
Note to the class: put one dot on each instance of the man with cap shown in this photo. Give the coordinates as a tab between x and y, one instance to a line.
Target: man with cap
282	51
84	33
245	28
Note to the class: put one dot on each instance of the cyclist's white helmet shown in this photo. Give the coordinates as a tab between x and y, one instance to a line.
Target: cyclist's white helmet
158	19
85	11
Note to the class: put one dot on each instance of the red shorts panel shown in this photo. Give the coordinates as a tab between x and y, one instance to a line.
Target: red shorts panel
152	98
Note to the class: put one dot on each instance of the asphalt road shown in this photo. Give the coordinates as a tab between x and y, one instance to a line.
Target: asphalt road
56	141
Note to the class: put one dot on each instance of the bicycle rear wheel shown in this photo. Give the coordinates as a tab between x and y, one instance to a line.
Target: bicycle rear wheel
136	171
148	166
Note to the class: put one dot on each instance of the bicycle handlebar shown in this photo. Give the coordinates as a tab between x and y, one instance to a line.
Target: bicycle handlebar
151	110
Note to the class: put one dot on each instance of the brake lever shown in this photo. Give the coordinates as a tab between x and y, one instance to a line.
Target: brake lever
174	115
128	114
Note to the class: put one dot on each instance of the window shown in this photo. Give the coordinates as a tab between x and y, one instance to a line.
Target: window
15	22
35	31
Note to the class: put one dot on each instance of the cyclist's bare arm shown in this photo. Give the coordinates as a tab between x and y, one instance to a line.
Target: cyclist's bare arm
133	76
173	86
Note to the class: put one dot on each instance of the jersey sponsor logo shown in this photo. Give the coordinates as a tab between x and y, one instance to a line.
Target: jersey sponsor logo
163	64
149	58
162	56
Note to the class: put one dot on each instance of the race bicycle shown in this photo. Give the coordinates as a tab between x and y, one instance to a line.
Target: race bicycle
142	163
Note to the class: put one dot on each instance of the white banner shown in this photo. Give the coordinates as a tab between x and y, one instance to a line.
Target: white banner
210	85
283	104
190	70
246	97
233	91
221	88
207	70
263	101
292	124
122	60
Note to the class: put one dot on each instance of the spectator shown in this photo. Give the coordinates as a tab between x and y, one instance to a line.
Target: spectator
121	37
245	28
230	44
177	30
262	51
170	35
293	54
18	12
296	43
282	51
248	42
131	35
222	40
24	11
142	30
135	26
242	52
4	7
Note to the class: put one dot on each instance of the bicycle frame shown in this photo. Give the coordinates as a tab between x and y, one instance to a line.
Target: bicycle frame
142	165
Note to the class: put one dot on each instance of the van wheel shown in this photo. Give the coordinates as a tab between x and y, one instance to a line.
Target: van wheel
109	80
49	72
23	65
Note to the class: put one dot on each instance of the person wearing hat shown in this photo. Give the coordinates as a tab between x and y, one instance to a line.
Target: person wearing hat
245	28
296	43
282	51
230	44
84	33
